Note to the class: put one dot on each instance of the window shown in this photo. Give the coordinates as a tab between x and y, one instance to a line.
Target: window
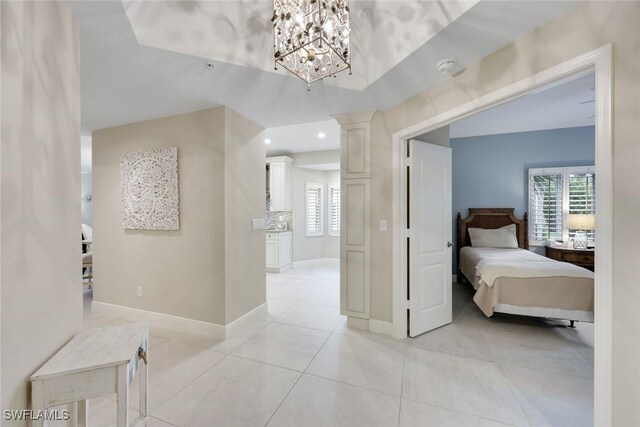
314	210
555	193
334	209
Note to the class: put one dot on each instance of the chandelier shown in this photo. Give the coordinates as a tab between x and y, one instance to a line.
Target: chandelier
311	37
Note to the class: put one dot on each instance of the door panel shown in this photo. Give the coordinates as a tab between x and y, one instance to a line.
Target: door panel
429	252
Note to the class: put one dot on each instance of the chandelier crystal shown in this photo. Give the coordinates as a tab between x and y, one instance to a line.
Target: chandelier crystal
311	37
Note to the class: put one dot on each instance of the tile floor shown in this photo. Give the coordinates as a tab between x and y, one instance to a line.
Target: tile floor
301	366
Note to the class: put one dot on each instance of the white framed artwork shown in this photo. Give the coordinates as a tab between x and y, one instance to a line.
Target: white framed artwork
149	189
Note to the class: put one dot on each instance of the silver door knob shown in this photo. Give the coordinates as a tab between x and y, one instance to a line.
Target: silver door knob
449	244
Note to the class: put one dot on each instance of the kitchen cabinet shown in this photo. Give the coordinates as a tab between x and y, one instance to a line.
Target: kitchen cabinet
280	183
279	250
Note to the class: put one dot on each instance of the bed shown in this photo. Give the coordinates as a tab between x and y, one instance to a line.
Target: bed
510	279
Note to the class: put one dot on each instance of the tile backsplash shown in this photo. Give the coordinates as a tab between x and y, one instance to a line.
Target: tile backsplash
274	217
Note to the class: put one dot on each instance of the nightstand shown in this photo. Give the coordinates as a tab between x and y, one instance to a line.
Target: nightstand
580	257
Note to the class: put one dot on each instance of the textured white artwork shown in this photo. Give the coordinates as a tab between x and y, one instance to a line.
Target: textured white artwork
149	189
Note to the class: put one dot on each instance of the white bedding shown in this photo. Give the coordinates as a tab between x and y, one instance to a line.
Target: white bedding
492	263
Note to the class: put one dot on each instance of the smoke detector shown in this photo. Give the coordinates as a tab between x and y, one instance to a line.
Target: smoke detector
446	65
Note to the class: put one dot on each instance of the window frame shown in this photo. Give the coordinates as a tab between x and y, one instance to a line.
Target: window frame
320	232
565	172
330	187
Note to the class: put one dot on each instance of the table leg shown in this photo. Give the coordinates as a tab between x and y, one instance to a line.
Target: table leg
144	384
37	402
123	396
83	413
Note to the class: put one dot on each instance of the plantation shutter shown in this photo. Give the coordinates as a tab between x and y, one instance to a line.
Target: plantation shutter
582	197
314	210
334	209
545	205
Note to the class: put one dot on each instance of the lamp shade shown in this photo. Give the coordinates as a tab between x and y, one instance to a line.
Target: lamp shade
581	222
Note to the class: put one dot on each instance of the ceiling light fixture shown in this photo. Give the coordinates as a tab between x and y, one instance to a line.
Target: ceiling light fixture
311	37
267	141
321	135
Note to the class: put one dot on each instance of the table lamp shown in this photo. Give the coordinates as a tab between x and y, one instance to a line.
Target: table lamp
581	223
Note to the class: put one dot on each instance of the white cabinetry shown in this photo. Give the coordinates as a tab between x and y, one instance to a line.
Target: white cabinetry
279	251
280	182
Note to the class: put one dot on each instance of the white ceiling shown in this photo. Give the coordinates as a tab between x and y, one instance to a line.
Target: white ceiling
124	81
560	106
235	32
303	138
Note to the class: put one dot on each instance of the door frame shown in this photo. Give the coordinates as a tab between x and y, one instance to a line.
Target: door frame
601	61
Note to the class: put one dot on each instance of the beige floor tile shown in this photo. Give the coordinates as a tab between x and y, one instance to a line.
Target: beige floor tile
454	339
283	345
235	392
314	316
319	402
276	308
467	385
552	399
539	351
416	414
173	365
368	361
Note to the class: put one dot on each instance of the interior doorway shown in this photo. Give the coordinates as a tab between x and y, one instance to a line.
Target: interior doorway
598	61
303	224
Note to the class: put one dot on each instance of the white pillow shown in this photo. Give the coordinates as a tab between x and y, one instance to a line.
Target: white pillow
503	237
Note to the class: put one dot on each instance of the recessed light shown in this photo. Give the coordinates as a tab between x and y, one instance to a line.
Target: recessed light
267	141
321	135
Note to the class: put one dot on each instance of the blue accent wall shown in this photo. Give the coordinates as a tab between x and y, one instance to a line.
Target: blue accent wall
492	171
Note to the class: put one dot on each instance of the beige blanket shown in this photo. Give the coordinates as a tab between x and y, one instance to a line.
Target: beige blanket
537	284
525	264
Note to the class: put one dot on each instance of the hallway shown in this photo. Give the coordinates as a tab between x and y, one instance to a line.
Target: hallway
301	366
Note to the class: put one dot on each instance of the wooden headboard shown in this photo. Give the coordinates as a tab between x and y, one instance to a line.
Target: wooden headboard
492	218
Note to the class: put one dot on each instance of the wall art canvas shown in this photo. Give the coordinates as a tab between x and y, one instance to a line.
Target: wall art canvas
149	189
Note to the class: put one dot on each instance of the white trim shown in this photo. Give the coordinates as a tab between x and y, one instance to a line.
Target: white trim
357	323
380	327
252	316
182	324
313	262
599	60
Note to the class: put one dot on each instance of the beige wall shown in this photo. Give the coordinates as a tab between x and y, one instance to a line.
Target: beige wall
587	27
182	273
41	295
244	199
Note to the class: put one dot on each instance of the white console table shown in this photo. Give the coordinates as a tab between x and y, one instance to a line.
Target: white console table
96	362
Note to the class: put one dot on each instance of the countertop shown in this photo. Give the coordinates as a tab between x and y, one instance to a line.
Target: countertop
287	230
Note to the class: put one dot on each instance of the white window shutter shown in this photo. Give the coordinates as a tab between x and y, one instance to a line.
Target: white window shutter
314	214
334	209
555	193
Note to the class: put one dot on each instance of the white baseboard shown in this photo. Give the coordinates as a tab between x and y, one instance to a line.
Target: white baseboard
357	323
380	327
182	324
252	316
371	325
313	261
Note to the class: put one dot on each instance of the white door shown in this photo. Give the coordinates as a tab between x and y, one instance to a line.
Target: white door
430	244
